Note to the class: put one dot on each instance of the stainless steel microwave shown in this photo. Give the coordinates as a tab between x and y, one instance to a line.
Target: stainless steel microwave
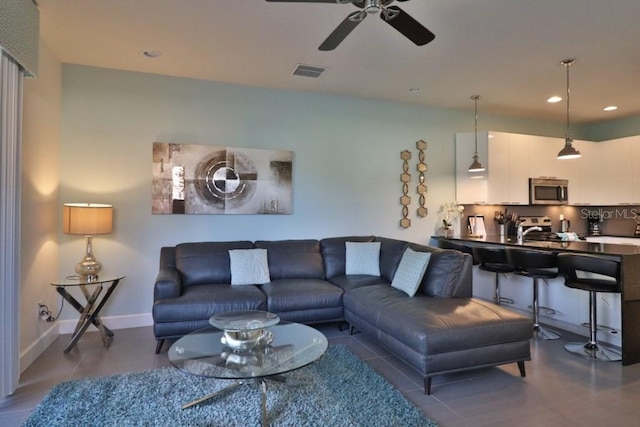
548	191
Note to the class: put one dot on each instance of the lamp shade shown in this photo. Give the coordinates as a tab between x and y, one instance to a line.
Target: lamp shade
87	219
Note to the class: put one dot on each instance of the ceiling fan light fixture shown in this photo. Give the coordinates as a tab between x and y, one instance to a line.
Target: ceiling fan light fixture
372	6
569	151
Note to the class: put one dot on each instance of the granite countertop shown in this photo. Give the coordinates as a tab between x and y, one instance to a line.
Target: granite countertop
577	246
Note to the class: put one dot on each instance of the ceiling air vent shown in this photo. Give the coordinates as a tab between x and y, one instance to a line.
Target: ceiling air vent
308	71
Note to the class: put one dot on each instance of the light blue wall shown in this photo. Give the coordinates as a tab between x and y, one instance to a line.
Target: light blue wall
346	163
614	129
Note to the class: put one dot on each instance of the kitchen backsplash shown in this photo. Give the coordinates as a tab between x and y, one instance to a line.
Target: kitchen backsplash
617	220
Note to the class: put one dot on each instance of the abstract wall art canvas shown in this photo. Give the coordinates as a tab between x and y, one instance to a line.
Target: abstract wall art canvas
207	179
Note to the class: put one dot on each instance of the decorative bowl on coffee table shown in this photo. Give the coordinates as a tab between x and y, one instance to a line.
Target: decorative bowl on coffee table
244	330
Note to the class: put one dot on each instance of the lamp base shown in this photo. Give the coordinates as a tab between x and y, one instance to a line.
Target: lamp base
88	267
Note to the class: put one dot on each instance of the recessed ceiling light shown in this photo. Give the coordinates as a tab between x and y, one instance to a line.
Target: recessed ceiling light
554	99
151	53
610	108
414	90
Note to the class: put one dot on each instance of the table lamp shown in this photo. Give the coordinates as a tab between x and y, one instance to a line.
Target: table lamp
87	219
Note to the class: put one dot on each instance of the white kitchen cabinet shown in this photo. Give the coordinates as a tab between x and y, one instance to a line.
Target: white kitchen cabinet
518	163
505	181
607	173
634	142
584	174
471	188
615	172
543	157
498	171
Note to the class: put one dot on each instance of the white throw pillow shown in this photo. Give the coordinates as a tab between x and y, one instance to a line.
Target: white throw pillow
411	270
249	266
363	258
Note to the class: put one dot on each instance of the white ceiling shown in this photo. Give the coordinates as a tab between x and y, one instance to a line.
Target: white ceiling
507	51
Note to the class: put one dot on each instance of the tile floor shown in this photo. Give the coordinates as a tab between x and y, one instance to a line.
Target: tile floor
559	390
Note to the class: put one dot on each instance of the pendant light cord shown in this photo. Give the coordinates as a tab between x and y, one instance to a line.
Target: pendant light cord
475	98
568	63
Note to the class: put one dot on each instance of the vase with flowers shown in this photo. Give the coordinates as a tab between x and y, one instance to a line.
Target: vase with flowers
451	218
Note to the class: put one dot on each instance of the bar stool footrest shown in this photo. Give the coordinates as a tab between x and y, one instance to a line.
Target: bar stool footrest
595	352
540	333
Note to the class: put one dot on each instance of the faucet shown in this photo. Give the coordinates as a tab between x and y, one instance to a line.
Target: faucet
520	233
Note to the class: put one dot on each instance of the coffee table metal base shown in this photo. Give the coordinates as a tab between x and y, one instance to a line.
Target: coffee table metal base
261	382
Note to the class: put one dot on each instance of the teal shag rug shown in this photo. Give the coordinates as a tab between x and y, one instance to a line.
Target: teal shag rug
336	390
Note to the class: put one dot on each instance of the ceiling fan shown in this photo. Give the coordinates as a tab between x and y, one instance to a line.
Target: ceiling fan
392	15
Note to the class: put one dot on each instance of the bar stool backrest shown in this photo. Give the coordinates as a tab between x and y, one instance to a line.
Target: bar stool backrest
486	255
590	273
525	259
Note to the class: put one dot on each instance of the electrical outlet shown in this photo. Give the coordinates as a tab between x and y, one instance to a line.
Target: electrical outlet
44	314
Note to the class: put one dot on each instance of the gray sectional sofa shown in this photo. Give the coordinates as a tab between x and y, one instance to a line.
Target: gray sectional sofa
441	329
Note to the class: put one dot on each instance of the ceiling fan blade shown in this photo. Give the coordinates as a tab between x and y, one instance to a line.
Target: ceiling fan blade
409	27
340	33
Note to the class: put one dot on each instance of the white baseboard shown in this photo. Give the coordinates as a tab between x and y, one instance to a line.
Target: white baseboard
60	327
32	352
112	322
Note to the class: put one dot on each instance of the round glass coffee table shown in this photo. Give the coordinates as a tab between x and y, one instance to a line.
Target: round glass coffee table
269	349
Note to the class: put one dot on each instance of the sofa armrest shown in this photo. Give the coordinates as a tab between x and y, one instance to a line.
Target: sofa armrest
168	284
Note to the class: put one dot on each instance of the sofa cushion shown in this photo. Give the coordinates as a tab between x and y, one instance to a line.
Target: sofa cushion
291	259
249	266
206	262
391	251
448	274
200	302
410	272
362	258
300	294
333	253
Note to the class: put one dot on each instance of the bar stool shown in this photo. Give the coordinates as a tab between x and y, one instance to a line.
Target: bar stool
537	265
494	260
592	274
448	244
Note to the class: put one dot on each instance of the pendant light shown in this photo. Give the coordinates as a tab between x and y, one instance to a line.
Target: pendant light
476	166
569	151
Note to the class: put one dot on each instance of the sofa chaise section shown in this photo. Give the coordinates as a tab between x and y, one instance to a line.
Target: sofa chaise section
441	329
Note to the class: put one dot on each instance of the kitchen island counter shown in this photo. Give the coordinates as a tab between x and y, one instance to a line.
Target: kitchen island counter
581	246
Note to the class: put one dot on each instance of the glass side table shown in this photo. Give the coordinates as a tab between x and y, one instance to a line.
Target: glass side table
95	301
